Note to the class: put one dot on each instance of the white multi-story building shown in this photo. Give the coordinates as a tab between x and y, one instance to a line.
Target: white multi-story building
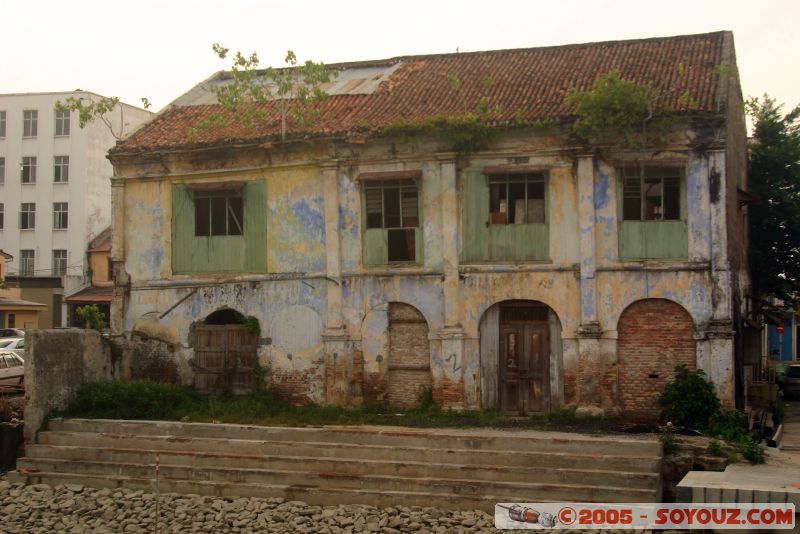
55	191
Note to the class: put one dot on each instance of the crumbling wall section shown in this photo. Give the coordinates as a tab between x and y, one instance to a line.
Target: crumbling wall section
57	363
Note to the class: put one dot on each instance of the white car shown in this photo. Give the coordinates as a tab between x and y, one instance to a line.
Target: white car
11	369
14	344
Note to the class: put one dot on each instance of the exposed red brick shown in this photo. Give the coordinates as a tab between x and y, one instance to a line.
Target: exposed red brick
446	393
655	335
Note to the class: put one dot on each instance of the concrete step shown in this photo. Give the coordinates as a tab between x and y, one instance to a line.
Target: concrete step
353	452
473	438
275	477
382	466
325	496
341	466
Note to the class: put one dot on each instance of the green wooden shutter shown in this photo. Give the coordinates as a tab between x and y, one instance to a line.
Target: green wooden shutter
475	233
255	227
376	246
182	229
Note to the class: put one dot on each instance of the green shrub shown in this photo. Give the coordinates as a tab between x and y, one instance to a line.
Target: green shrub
729	424
751	449
690	400
136	399
92	317
668	439
715	448
425	402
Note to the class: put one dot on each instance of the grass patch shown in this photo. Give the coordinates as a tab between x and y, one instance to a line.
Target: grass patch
147	400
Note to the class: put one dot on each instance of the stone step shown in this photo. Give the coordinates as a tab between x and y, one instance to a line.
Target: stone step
274	477
358	467
325	496
473	438
353	452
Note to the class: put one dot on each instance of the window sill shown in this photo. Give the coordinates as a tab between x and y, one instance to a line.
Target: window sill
27	229
62	135
60	182
60	229
27	183
30	136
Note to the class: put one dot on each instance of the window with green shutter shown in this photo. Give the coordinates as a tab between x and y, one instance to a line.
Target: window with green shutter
219	227
652	213
392	230
505	217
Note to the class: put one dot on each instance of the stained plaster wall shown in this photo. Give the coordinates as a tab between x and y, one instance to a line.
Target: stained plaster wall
584	282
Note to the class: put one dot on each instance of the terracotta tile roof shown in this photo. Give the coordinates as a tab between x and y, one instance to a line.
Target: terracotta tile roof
527	84
92	294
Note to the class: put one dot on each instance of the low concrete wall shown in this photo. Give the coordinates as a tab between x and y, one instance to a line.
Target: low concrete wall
57	362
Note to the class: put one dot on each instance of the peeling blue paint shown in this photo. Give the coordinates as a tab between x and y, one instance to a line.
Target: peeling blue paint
602	191
311	217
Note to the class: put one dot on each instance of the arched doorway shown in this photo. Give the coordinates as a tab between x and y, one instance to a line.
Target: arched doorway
520	357
225	353
654	335
409	366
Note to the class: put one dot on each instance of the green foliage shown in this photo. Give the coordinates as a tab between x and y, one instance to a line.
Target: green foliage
92	317
774	179
751	449
617	112
293	89
729	424
100	108
252	326
138	399
715	448
668	440
562	413
465	133
425	402
690	400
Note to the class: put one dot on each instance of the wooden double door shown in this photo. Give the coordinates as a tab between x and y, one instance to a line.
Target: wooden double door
524	366
225	358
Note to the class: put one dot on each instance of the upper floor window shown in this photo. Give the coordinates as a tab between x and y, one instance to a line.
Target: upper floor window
392	206
61	171
218	213
516	199
30	122
59	262
60	215
2	123
62	122
651	194
28	171
652	211
2	170
2	213
27	261
27	216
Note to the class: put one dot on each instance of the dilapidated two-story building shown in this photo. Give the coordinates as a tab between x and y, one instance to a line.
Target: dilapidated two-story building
379	254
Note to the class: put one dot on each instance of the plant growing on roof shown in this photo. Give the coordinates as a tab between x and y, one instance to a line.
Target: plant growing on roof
92	317
618	112
293	89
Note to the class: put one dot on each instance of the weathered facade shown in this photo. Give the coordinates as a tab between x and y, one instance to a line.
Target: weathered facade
530	273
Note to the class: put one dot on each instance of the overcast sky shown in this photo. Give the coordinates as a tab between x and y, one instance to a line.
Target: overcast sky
159	49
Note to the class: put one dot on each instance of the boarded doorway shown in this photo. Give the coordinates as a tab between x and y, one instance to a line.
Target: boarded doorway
409	369
225	354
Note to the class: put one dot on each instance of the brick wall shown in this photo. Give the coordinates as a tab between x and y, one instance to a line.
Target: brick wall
655	335
409	355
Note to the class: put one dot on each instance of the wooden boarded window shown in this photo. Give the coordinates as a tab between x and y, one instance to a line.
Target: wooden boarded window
392	222
219	230
652	213
505	217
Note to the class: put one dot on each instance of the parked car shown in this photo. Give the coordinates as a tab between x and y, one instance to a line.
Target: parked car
11	369
13	344
11	332
791	381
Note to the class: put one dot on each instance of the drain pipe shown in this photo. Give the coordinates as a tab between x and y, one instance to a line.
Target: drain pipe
775	440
